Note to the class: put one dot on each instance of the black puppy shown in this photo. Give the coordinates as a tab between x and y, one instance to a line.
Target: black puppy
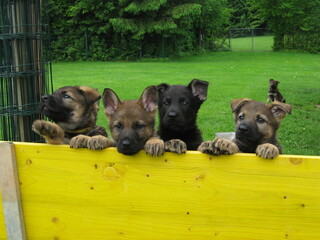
178	108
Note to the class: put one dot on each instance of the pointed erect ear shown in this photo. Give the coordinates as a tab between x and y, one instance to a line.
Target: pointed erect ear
237	103
149	99
199	88
110	102
279	109
161	88
89	94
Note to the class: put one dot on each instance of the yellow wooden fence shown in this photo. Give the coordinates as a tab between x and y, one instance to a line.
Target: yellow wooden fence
83	194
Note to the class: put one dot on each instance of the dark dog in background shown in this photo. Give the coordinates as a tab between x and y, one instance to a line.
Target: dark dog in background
256	127
132	122
274	94
74	110
178	108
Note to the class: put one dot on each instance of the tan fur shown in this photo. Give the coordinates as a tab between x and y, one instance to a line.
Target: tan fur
74	111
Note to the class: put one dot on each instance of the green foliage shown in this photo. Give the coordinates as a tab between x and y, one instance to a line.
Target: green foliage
129	29
295	23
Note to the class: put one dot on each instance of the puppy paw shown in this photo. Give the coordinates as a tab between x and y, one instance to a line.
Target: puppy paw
79	141
208	148
154	147
99	142
175	146
224	146
50	131
267	151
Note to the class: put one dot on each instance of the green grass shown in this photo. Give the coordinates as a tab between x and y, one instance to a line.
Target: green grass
261	43
231	75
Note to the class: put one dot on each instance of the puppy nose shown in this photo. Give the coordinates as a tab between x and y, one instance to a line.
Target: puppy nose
172	115
126	143
243	128
45	98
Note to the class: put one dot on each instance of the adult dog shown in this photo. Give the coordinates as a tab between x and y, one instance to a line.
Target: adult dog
74	111
178	108
131	123
256	127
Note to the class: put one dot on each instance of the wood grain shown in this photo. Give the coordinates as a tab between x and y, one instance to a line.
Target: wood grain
83	194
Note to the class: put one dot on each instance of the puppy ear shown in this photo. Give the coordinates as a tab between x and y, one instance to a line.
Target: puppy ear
110	101
199	88
237	103
279	109
149	99
162	87
89	94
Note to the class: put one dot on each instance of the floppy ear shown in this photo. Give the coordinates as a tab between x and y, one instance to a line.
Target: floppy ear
110	101
237	103
199	88
161	88
279	109
89	94
149	99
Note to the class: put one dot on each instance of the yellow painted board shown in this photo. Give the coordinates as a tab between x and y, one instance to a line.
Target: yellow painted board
84	194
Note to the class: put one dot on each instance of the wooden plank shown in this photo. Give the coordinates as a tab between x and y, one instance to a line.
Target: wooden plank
83	194
10	190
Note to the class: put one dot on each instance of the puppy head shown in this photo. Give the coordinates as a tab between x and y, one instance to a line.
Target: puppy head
71	105
256	121
179	104
131	122
273	83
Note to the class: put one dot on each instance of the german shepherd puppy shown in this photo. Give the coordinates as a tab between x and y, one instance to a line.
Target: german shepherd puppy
132	122
256	127
74	110
274	94
178	108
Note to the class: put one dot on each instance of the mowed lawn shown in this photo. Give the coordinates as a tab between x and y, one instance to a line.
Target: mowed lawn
232	75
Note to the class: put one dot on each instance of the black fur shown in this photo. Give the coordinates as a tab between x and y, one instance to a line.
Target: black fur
178	108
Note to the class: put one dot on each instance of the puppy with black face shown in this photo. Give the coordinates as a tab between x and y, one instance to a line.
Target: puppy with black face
74	110
178	109
256	127
132	122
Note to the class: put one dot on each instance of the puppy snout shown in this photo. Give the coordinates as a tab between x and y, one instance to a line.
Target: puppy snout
243	128
126	143
172	115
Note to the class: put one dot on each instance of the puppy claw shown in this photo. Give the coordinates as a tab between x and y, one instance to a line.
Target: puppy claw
50	131
154	147
208	148
175	146
225	146
267	151
99	142
79	141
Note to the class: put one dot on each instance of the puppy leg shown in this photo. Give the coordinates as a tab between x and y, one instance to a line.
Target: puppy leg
175	146
154	147
267	151
209	148
52	132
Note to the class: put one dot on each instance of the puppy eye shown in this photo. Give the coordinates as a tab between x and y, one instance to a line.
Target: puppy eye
65	95
241	117
184	102
260	120
118	126
166	102
138	126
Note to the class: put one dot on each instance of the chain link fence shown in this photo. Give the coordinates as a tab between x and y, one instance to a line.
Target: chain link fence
25	74
250	39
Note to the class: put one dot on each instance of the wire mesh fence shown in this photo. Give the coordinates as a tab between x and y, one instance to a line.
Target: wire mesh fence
250	39
25	74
